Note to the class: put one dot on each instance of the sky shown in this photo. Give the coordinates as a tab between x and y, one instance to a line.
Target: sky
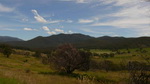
27	19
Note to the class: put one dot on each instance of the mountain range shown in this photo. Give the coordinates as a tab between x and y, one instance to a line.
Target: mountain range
83	41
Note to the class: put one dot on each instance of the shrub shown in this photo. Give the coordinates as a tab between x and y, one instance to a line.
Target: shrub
6	50
37	54
67	58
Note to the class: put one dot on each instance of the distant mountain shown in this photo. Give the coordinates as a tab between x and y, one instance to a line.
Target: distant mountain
55	40
107	42
52	41
9	39
84	41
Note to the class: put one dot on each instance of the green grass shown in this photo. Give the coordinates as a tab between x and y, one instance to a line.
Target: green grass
120	57
17	62
13	70
99	51
111	77
9	81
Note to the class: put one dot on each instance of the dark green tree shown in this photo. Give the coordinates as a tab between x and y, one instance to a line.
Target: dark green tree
6	50
37	54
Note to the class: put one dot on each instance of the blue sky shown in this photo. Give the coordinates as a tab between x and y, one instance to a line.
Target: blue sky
27	19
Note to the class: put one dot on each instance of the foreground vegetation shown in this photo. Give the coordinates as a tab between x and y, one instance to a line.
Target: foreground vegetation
106	67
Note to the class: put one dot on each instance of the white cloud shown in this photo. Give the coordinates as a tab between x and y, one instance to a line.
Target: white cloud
6	9
85	21
38	17
51	32
106	2
70	32
122	2
55	21
133	14
29	29
81	1
76	1
59	30
125	23
45	28
42	20
55	31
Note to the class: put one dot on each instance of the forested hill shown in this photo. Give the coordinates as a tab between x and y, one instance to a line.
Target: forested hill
8	39
84	41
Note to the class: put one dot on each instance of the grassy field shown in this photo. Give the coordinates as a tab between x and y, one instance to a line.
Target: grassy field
20	69
132	56
14	70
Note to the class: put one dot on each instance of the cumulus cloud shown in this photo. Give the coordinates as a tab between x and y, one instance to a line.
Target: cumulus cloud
70	32
45	28
38	17
29	29
59	30
62	31
55	30
85	21
51	32
5	8
48	31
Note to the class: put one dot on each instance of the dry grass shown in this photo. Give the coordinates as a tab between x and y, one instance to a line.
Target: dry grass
34	78
28	73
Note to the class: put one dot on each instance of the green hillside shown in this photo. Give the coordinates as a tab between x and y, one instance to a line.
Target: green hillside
21	69
14	70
